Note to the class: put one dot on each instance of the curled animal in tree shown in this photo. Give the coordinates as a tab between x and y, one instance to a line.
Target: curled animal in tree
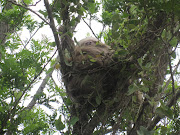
97	81
91	53
89	81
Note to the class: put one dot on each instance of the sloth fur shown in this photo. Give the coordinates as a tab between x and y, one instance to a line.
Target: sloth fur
91	57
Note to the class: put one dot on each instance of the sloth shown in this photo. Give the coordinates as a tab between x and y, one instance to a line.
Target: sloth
87	82
97	80
91	53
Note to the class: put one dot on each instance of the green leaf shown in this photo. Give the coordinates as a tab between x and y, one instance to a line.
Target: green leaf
98	100
125	15
131	89
164	111
17	95
115	26
133	8
73	120
123	52
43	13
68	101
145	89
92	60
140	62
81	11
160	111
52	44
59	125
49	70
144	131
67	57
131	26
174	42
92	7
85	80
173	55
148	65
115	16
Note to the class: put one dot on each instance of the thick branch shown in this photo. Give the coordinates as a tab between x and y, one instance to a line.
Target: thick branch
39	91
64	41
52	24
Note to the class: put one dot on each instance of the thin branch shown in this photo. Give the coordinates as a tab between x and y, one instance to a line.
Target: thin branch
169	80
77	18
31	37
102	31
16	103
115	127
29	10
141	112
90	28
157	118
35	3
20	38
172	76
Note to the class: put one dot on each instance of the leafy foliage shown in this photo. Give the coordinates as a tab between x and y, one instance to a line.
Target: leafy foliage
145	36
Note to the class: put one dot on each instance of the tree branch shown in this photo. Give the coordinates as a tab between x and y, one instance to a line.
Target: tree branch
35	77
28	9
55	33
169	80
171	73
77	18
90	28
157	118
40	90
41	87
31	37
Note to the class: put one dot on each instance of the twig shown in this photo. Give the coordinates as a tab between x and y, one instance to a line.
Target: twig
16	103
171	72
77	18
90	28
35	3
31	38
61	96
136	124
29	10
20	39
174	71
102	31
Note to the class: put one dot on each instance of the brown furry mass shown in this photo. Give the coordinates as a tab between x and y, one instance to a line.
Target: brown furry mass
91	53
90	59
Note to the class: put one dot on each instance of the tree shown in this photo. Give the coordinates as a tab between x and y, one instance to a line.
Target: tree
144	35
21	65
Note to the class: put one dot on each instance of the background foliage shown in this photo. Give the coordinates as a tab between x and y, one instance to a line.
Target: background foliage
145	32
